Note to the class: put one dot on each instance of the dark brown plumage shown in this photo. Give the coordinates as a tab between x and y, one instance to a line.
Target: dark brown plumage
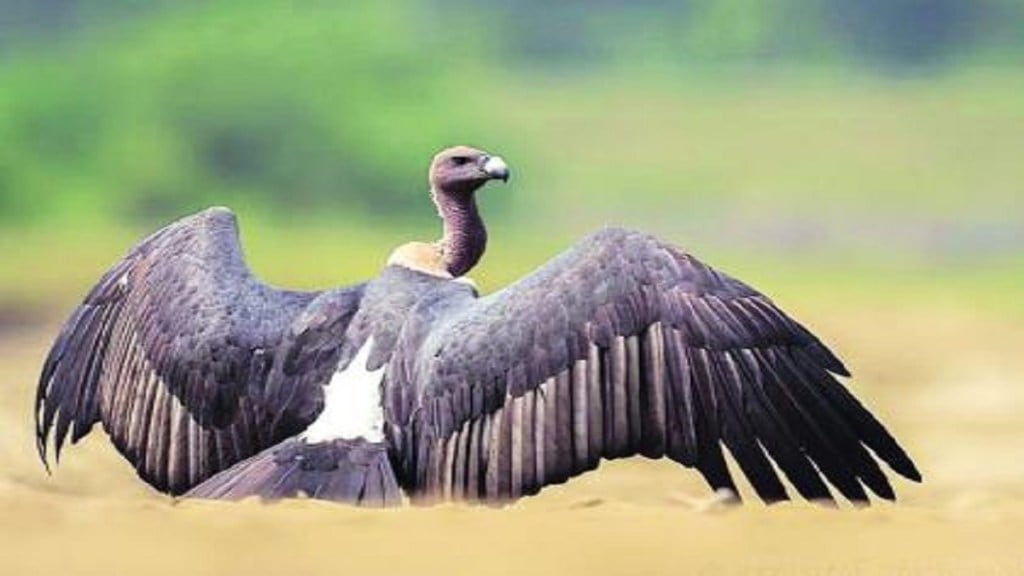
627	346
171	350
621	346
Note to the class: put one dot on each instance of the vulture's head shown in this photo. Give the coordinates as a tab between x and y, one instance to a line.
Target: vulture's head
462	169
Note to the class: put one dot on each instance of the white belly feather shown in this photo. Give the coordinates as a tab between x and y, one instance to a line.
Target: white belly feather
352	404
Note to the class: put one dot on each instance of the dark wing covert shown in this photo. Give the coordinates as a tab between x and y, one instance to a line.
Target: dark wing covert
625	345
171	352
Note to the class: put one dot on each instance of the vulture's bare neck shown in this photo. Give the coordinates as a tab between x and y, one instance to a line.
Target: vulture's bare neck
465	237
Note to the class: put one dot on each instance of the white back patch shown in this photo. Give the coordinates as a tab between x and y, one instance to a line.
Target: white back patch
352	403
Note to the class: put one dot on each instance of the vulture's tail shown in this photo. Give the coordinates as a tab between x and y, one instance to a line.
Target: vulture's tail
353	471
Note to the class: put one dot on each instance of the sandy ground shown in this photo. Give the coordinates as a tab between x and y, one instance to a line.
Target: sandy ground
948	386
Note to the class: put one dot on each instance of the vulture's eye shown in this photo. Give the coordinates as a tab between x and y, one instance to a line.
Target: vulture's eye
460	160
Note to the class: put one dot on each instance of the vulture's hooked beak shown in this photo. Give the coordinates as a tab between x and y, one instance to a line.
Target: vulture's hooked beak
496	168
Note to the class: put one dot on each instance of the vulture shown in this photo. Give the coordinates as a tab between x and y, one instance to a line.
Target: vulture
413	388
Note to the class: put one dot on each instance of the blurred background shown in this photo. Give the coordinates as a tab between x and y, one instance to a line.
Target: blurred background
861	162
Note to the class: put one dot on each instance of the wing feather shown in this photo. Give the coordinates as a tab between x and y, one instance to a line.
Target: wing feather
172	351
625	345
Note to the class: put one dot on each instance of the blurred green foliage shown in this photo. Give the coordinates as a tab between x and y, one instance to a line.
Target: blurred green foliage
895	35
875	141
285	107
145	110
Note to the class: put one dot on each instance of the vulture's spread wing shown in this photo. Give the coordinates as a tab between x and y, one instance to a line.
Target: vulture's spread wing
171	352
625	345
